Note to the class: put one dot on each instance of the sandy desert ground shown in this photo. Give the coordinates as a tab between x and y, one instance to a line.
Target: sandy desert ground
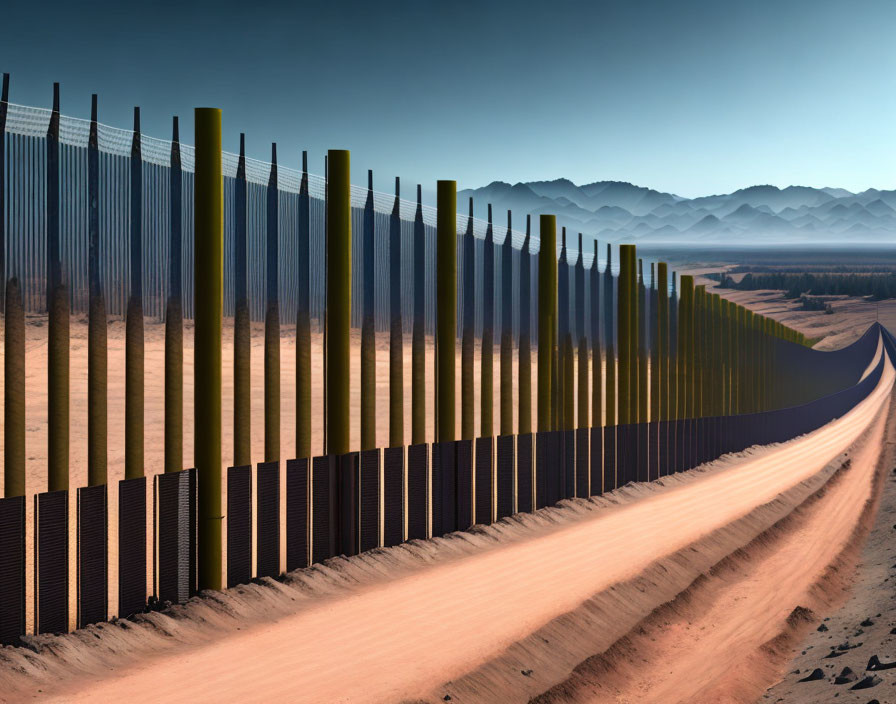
691	589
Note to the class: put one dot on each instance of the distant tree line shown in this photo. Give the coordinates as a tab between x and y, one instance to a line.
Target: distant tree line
876	286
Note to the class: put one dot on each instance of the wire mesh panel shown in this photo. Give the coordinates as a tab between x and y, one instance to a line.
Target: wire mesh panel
239	525
582	465
131	546
323	509
93	580
691	430
549	467
175	506
267	529
463	453
700	441
347	504
444	488
506	450
296	514
725	438
12	569
641	467
626	454
524	473
485	484
662	431
418	459
597	460
393	496
370	500
193	572
610	469
567	441
51	561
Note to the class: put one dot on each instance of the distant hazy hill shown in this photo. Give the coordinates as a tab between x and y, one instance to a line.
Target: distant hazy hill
619	211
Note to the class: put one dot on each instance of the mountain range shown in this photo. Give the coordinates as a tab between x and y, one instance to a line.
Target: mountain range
617	211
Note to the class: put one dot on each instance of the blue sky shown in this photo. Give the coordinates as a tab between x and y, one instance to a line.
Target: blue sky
693	97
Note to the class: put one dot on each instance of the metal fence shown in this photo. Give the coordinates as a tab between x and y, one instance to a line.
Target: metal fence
669	375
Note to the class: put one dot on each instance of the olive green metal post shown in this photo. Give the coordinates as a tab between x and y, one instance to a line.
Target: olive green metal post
674	348
97	385
339	300
686	348
718	359
626	334
174	316
272	322
467	353
738	370
57	305
446	306
506	372
597	390
662	343
486	353
655	375
242	331
58	390
506	383
418	343
303	325
134	350
566	358
368	326
582	353
97	364
14	393
698	359
209	301
611	394
641	327
750	367
547	322
569	392
724	369
524	419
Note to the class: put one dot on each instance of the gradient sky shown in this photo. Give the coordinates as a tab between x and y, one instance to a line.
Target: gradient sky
693	97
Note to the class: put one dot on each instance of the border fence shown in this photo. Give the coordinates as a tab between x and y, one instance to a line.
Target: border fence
637	376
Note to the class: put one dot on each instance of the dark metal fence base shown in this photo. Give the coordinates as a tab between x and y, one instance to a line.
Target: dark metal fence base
12	569
51	561
267	529
417	502
505	453
369	488
239	525
596	461
485	481
296	514
93	547
393	496
176	500
610	468
524	473
323	504
463	456
131	546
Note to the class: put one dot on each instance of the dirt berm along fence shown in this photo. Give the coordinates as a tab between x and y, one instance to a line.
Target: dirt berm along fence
637	375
